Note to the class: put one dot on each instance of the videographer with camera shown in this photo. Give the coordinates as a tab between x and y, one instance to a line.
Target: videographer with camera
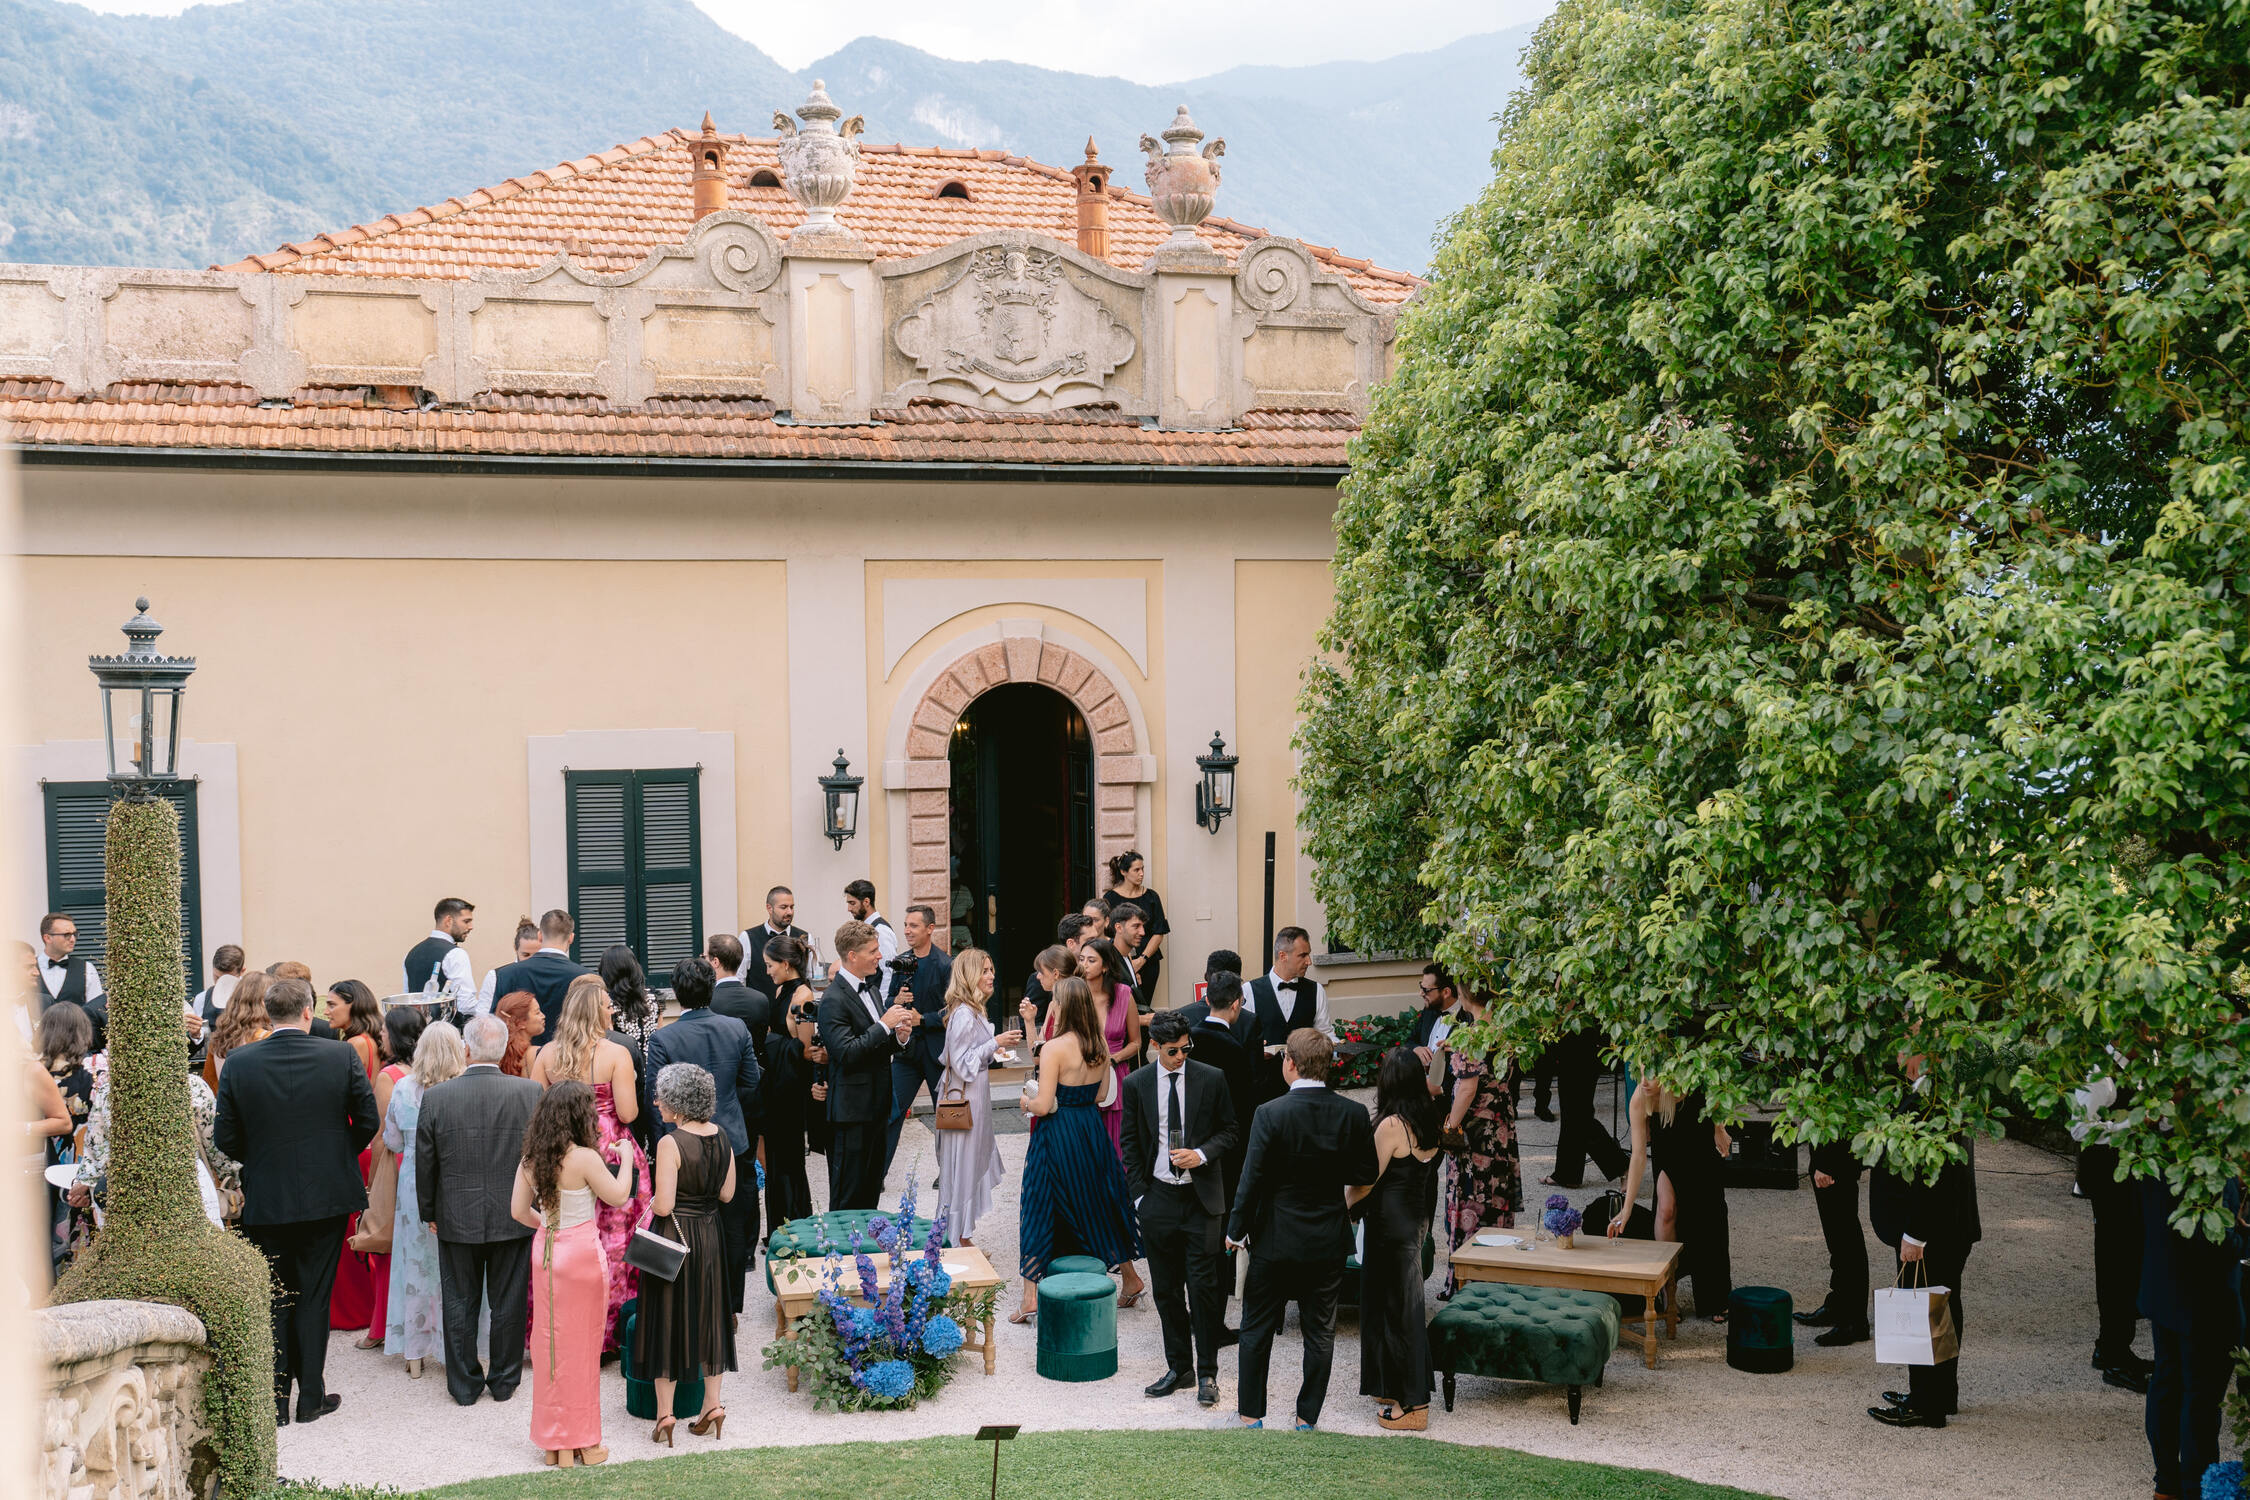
917	977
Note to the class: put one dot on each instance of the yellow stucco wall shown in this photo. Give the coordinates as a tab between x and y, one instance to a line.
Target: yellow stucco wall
1279	607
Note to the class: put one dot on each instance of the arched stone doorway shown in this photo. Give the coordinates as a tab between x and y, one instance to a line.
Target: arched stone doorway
1116	752
1021	819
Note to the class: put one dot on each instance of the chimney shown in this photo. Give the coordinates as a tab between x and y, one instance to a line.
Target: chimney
1093	204
710	171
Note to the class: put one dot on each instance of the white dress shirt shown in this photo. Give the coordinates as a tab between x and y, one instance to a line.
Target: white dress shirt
1308	1083
453	976
771	931
52	975
1320	1021
1168	1079
886	936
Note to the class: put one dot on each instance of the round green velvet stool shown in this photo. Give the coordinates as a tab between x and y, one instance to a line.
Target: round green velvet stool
640	1393
1761	1336
1077	1327
1076	1265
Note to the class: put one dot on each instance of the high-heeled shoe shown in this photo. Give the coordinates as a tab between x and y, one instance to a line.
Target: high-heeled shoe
414	1369
710	1424
550	1457
368	1341
663	1432
588	1457
565	1457
1410	1419
1131	1298
1023	1315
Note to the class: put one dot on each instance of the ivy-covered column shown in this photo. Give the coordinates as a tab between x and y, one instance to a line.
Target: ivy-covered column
155	1244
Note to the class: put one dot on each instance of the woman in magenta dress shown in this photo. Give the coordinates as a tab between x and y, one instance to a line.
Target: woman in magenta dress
1102	966
351	1007
582	1052
557	1185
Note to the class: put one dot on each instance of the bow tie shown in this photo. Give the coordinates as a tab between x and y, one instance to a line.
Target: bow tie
1296	986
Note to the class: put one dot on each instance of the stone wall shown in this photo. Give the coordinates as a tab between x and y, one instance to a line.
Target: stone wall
123	1416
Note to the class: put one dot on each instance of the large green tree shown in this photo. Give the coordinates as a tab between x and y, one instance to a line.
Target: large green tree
1791	596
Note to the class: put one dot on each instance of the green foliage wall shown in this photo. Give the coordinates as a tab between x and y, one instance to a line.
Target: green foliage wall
1792	594
156	1245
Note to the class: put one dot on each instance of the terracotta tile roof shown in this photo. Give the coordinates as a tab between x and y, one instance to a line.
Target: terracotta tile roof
342	421
615	206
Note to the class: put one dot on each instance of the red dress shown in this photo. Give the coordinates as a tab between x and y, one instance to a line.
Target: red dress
352	1304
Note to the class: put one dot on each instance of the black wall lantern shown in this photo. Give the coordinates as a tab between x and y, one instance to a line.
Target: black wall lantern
840	788
141	693
1214	797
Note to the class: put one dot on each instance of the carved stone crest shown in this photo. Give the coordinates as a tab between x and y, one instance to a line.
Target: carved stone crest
1009	326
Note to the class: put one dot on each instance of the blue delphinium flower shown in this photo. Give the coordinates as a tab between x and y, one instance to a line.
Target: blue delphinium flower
892	1380
2224	1482
941	1337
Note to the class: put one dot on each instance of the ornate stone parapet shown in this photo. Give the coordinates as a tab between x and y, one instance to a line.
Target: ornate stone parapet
123	1416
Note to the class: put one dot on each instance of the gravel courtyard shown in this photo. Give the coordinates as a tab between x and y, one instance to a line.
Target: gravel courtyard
2034	1416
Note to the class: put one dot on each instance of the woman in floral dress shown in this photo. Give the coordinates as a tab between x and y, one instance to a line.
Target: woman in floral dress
413	1325
582	1052
1483	1179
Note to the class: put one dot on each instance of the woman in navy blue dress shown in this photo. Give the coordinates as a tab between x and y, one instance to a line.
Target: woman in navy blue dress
1075	1201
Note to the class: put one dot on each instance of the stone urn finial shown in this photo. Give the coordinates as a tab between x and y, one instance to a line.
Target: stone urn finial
818	161
1183	181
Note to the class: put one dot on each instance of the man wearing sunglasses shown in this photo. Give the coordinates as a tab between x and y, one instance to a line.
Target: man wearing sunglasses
1179	1125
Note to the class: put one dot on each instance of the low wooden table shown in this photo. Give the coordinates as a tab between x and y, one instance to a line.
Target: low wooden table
1642	1268
796	1287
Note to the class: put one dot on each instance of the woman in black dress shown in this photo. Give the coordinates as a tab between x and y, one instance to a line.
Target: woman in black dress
1394	1340
1128	882
793	1064
686	1328
1689	1153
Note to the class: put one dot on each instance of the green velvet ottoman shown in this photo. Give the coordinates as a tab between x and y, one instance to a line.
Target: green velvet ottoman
1761	1336
800	1238
640	1395
1076	1265
1077	1327
1509	1332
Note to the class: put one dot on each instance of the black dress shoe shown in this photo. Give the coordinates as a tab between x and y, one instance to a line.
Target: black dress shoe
1822	1316
2126	1377
1842	1334
1229	1337
1544	1113
328	1403
1207	1392
1897	1398
281	1411
1173	1380
1905	1416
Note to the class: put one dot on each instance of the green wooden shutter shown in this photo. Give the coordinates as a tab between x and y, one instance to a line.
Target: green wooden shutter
77	845
636	864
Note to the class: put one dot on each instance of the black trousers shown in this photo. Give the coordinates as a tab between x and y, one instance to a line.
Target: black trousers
1706	1253
1186	1247
788	1189
2185	1392
738	1224
1578	1064
1273	1285
1937	1388
2117	1250
302	1257
855	1165
496	1274
1847	1248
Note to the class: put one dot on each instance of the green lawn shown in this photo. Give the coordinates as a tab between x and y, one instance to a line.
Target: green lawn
1169	1465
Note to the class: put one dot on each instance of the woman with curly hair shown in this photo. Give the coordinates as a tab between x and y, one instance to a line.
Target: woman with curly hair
556	1184
582	1052
240	1024
686	1327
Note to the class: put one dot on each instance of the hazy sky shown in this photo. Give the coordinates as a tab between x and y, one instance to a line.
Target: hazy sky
1147	43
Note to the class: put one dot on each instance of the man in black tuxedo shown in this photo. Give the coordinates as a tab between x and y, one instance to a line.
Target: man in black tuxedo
1305	1148
296	1111
1933	1225
2191	1290
1243	1024
720	1046
1218	1044
547	973
1179	1128
467	1145
205	1007
1835	1175
861	1037
924	989
781	906
1282	1002
65	976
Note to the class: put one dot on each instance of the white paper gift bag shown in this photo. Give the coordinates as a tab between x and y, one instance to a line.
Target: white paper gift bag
1914	1325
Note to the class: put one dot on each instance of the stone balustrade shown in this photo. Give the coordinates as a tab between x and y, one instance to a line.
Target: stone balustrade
123	1418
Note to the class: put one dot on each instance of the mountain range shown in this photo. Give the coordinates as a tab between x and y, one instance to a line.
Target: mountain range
197	139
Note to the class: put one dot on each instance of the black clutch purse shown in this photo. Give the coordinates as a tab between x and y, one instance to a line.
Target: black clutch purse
652	1254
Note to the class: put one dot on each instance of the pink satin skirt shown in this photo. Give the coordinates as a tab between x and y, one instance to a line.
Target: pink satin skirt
570	1280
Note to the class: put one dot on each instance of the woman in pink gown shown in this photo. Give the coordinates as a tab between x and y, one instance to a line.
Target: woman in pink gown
582	1052
1102	966
557	1184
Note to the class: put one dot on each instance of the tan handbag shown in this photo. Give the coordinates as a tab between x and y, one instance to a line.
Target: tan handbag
376	1221
952	1110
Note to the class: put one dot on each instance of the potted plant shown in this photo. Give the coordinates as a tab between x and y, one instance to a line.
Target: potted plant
1561	1221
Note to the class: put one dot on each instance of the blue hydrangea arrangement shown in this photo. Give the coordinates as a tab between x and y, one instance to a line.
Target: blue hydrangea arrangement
1561	1220
868	1347
2224	1482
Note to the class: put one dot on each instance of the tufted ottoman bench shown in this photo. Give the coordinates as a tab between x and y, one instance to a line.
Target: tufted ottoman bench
800	1238
1510	1332
1077	1327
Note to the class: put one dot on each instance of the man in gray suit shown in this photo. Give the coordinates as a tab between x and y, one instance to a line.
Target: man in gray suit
466	1148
